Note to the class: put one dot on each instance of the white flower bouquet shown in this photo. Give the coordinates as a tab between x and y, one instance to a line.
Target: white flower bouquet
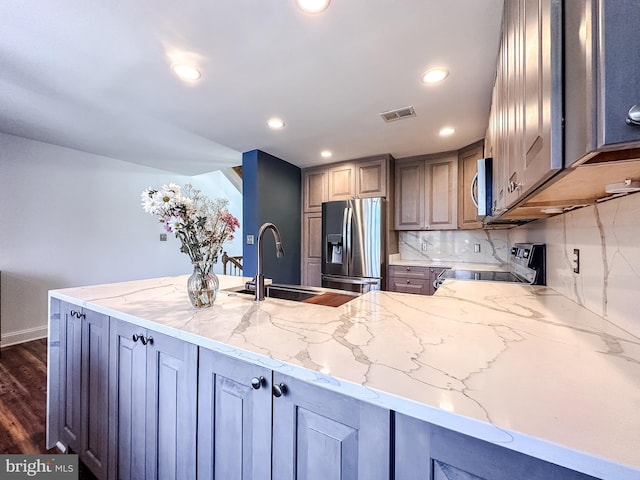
202	225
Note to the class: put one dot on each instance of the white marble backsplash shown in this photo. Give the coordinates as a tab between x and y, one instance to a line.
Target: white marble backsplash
455	246
608	238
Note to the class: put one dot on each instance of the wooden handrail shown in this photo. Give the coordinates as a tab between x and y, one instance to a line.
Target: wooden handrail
236	264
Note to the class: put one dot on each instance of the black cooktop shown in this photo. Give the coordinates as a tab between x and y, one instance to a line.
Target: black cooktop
487	276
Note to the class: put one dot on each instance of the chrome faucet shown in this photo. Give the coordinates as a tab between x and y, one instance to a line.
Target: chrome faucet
279	253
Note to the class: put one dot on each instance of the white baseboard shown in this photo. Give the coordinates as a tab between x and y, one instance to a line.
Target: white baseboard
21	336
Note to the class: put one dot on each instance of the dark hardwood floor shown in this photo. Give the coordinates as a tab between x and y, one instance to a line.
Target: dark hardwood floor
23	400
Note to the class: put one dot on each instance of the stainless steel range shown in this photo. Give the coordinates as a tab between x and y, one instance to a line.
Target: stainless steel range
527	264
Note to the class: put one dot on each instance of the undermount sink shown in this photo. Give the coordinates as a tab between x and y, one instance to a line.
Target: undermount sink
296	293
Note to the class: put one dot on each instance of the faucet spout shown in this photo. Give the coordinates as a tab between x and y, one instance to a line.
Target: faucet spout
279	253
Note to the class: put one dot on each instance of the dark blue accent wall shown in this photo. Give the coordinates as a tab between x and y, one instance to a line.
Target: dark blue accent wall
271	190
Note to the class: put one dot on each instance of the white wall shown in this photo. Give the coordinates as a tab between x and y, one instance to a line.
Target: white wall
69	218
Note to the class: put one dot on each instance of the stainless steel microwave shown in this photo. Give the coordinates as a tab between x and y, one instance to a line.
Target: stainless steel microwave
482	187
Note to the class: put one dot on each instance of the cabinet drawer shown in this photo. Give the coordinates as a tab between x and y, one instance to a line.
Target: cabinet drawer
408	271
409	285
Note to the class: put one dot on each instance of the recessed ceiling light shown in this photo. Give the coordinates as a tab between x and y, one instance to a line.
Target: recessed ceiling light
275	123
186	72
435	75
326	154
445	132
312	6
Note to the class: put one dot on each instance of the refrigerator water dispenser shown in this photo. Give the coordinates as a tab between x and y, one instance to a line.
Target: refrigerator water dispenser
334	248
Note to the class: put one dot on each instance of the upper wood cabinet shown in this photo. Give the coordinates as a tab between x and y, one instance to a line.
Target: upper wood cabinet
527	111
315	189
342	182
602	70
467	169
427	194
409	214
371	178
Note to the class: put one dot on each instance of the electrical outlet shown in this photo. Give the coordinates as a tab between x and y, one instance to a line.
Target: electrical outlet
476	248
423	246
576	260
249	239
163	237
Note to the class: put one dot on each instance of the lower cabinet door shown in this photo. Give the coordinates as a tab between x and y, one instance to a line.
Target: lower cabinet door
153	388
427	452
95	393
171	404
127	390
70	374
323	435
234	419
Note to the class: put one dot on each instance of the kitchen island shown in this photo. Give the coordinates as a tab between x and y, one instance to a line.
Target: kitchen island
514	365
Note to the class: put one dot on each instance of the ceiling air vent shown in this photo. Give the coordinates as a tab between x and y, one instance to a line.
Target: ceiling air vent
398	114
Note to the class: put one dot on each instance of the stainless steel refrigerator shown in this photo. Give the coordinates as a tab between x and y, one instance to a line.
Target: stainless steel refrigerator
353	250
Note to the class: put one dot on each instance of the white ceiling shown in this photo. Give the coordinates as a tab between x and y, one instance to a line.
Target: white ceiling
94	76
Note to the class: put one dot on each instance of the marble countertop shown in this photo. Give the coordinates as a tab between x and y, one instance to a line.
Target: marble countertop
517	365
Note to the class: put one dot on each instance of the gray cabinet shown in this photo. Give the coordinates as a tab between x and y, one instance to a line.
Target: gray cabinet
234	419
413	279
152	405
84	358
426	193
424	452
322	435
602	68
255	424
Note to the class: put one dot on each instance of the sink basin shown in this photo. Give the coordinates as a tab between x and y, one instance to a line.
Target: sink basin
295	293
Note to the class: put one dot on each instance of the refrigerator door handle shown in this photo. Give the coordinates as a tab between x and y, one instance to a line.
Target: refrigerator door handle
349	239
345	232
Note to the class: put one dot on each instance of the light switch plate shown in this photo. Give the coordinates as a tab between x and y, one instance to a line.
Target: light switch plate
163	237
476	248
249	239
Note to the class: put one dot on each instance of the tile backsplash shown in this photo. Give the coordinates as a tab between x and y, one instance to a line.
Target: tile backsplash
607	236
455	246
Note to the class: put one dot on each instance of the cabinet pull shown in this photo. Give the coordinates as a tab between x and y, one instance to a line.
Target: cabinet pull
146	340
279	390
135	337
77	314
633	116
257	382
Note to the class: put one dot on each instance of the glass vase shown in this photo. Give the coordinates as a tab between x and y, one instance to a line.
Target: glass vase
202	285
